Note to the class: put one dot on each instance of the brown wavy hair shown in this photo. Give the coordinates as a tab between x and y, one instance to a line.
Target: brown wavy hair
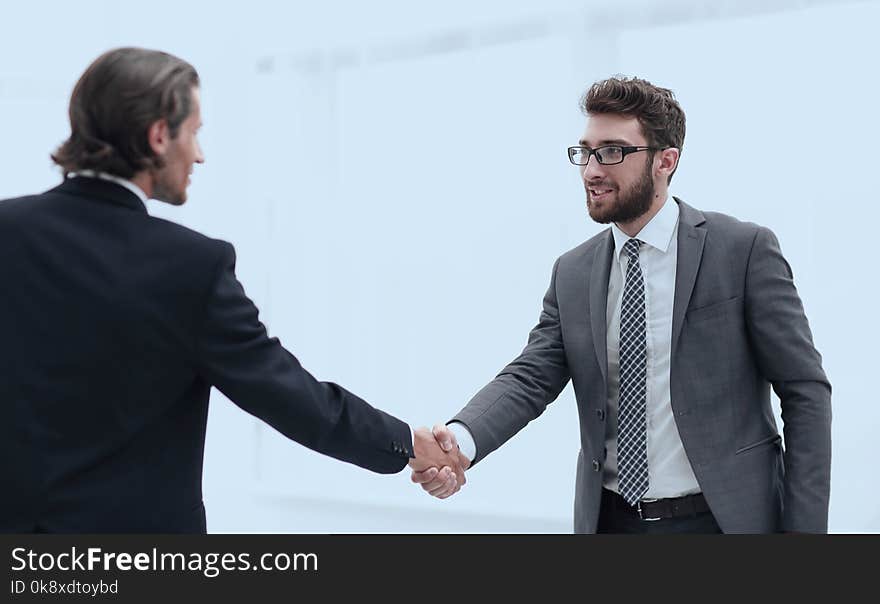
113	104
659	114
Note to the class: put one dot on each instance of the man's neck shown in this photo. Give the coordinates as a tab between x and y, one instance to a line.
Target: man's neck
634	227
143	180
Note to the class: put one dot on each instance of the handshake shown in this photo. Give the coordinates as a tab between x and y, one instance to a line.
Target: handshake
438	464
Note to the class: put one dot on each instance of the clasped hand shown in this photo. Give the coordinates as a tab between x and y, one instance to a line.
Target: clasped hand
438	464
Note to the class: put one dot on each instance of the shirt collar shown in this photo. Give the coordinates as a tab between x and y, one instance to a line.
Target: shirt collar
657	233
118	180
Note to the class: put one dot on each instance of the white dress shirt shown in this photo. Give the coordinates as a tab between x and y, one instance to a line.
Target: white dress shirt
669	472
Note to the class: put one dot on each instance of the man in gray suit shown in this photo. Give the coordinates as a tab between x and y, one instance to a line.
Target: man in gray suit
672	324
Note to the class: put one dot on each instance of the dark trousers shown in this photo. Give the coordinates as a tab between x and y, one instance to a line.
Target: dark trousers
617	516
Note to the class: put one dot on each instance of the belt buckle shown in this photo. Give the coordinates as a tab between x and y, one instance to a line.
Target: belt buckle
641	514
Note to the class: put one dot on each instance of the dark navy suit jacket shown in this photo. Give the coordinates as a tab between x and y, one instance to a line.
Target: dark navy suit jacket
114	326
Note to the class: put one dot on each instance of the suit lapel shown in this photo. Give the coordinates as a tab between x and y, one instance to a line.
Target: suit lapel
599	299
690	252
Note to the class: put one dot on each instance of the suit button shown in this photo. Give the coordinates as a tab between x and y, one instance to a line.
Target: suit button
601	414
596	465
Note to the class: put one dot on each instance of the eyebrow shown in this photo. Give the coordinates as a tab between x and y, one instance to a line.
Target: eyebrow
614	141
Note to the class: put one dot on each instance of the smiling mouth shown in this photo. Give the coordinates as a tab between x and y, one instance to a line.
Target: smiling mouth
598	193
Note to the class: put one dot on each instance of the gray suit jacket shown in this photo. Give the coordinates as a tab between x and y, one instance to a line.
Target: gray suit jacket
738	328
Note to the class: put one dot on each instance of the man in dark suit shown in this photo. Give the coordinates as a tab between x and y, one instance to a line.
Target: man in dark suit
115	325
672	325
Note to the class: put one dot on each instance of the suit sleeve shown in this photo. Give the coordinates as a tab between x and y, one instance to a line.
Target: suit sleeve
524	388
235	354
783	345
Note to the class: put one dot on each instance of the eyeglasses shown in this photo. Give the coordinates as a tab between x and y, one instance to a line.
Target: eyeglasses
607	156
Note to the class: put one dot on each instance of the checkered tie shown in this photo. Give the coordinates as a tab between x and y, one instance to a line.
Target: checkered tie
632	448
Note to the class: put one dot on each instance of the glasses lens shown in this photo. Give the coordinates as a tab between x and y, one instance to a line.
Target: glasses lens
610	155
578	156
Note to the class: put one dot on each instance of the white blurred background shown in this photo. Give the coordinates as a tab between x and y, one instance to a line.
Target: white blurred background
394	179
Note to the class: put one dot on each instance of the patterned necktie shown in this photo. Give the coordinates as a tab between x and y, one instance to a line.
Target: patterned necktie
632	446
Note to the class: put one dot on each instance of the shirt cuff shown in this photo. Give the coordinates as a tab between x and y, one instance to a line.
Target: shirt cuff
464	438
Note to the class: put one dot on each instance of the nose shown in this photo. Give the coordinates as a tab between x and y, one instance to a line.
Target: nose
593	170
200	157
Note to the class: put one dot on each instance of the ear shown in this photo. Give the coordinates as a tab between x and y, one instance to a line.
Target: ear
668	161
158	136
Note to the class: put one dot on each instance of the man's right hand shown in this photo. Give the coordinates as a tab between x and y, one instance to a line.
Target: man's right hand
442	483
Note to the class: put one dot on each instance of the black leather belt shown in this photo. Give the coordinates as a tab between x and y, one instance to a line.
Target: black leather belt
658	509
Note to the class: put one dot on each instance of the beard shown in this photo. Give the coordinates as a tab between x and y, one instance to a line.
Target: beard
168	195
165	189
630	204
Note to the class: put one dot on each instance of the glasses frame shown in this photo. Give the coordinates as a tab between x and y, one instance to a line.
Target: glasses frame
625	150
